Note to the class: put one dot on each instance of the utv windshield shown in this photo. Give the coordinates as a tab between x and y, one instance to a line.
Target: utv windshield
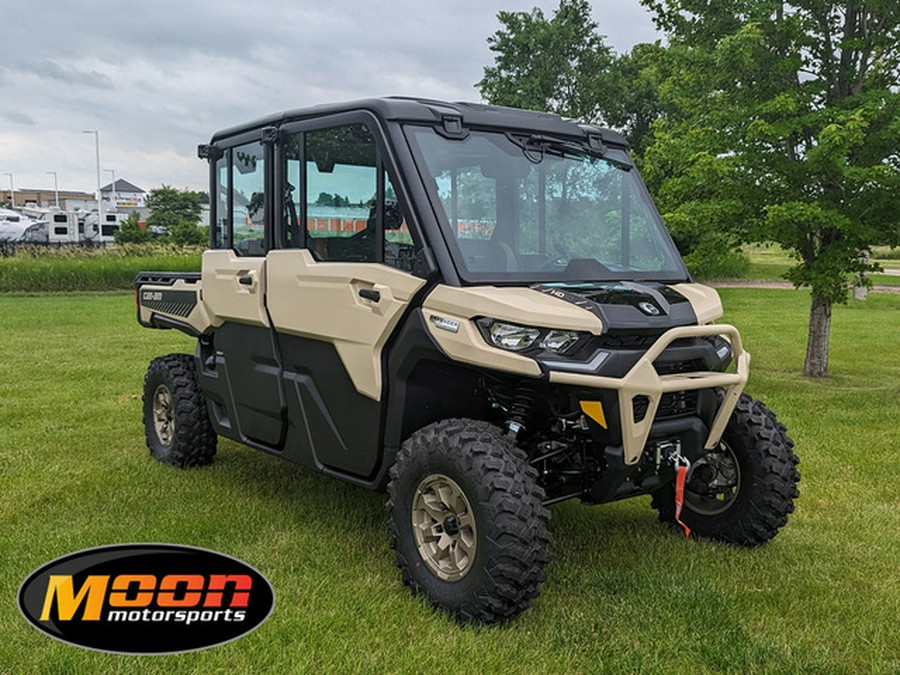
540	209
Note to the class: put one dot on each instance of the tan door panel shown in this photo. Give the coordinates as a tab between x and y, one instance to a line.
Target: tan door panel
322	300
234	287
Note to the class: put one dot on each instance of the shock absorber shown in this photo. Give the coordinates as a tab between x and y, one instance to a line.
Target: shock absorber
519	409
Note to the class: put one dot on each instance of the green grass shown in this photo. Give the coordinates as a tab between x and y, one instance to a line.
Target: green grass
775	271
43	269
36	269
623	594
770	262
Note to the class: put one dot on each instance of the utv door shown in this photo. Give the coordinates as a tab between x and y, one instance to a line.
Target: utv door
337	289
239	370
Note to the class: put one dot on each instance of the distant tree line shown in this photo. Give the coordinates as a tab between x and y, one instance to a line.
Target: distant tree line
326	199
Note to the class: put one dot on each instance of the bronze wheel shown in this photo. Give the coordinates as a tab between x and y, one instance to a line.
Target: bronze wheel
163	419
467	521
444	527
176	424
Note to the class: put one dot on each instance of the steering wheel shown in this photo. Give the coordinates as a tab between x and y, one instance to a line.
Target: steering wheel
560	259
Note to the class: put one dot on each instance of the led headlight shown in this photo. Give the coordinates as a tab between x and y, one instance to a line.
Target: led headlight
558	341
515	338
511	337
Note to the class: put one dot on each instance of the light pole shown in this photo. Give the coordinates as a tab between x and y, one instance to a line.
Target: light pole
55	188
99	194
115	201
12	189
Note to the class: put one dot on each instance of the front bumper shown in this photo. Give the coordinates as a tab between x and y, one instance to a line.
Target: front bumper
643	380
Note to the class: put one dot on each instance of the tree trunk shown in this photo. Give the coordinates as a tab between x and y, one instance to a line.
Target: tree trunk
817	344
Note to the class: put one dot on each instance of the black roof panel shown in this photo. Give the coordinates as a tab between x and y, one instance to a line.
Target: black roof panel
428	111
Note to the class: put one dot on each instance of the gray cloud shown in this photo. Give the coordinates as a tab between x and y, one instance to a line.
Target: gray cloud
65	73
157	78
17	117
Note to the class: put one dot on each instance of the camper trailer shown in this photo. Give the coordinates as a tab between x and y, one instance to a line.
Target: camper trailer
14	227
111	222
64	228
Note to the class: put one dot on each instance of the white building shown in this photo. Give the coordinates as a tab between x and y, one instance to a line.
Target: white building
122	194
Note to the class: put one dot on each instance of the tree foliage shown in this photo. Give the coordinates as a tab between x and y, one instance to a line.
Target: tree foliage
788	131
178	212
171	207
131	232
558	65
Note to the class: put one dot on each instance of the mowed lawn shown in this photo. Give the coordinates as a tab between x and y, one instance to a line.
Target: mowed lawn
623	594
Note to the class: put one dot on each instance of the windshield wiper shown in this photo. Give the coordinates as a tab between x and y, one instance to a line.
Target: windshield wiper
563	148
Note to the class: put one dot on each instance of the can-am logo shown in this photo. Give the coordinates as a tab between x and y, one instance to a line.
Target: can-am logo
146	598
649	308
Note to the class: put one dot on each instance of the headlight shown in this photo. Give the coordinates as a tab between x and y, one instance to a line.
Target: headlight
512	337
558	341
515	338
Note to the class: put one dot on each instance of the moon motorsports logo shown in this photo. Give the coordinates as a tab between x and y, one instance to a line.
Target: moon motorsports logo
146	598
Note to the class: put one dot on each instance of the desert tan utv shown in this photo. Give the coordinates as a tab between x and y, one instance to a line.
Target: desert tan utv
476	308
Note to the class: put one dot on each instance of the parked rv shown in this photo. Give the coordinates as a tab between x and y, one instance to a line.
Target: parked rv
64	228
15	227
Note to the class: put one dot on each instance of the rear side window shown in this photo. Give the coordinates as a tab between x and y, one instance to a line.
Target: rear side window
248	194
241	199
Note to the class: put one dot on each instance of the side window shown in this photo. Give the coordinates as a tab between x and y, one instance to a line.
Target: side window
399	250
291	194
341	191
248	199
352	210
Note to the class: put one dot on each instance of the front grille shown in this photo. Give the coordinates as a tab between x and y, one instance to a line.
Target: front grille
673	404
677	403
676	367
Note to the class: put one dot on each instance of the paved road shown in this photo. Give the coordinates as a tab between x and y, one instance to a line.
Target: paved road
748	283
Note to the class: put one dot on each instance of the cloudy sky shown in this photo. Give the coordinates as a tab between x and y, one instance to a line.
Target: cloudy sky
157	78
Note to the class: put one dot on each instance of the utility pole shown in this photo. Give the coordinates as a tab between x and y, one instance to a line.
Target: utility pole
115	201
12	189
55	188
99	193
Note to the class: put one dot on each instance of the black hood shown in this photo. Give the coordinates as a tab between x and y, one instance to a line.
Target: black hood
628	306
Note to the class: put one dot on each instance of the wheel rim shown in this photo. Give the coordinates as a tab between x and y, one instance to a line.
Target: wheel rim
163	418
715	482
444	527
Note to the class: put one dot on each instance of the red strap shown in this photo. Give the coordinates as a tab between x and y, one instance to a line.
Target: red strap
680	477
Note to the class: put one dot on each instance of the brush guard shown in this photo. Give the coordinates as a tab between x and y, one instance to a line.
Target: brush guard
643	380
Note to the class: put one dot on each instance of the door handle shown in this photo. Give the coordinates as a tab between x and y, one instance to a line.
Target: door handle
370	294
246	280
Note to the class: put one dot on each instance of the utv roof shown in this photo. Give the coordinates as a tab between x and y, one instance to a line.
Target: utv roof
428	111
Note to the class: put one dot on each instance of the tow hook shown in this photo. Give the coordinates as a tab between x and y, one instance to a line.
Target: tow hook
670	452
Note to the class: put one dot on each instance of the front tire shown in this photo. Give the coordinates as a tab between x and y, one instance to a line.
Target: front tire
742	491
467	521
176	423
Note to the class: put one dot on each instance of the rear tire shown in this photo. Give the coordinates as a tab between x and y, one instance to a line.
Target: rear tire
467	521
176	423
742	491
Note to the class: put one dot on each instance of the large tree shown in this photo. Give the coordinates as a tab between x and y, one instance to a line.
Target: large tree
557	64
790	132
563	65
